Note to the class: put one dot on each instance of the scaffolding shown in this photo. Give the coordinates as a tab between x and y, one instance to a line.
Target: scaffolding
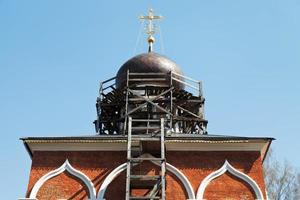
149	107
151	96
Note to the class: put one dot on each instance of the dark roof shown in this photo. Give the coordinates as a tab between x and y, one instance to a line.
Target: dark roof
148	63
208	137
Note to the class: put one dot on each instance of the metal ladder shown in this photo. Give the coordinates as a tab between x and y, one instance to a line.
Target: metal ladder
159	187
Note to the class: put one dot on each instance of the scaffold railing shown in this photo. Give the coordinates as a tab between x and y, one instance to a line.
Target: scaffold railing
175	97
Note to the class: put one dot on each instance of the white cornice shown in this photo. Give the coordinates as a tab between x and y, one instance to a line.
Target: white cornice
246	146
171	145
76	146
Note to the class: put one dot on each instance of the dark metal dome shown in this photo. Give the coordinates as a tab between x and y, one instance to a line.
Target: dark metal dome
148	63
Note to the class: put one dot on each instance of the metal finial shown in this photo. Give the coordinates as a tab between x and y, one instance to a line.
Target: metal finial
150	28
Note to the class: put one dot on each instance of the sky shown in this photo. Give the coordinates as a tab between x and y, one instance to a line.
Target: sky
53	54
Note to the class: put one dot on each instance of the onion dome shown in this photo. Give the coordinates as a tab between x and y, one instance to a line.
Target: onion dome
149	63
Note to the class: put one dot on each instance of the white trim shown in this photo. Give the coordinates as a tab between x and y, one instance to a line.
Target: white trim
227	167
193	146
108	179
176	145
187	185
65	167
182	145
65	146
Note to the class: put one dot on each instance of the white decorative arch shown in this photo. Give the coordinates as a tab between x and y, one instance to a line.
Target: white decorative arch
187	185
227	167
112	175
65	167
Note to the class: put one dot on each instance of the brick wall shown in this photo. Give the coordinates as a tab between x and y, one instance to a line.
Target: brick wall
195	165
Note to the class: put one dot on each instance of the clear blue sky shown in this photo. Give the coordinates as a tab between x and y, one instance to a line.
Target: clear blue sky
54	53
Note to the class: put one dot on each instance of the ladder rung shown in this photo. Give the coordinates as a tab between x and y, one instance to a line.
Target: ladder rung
146	120
142	159
160	87
141	197
142	99
135	148
143	138
147	79
146	112
148	73
145	128
145	177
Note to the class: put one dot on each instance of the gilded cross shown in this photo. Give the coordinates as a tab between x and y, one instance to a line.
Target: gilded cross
150	28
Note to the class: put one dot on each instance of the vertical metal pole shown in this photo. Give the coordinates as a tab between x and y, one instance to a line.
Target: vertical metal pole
199	88
101	91
171	102
126	106
201	93
98	126
128	159
163	166
98	129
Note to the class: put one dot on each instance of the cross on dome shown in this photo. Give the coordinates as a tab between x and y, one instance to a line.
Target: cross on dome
150	28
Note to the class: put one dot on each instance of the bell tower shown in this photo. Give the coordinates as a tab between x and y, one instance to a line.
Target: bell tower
151	86
149	99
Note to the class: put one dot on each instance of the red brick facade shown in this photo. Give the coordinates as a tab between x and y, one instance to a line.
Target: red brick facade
194	165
